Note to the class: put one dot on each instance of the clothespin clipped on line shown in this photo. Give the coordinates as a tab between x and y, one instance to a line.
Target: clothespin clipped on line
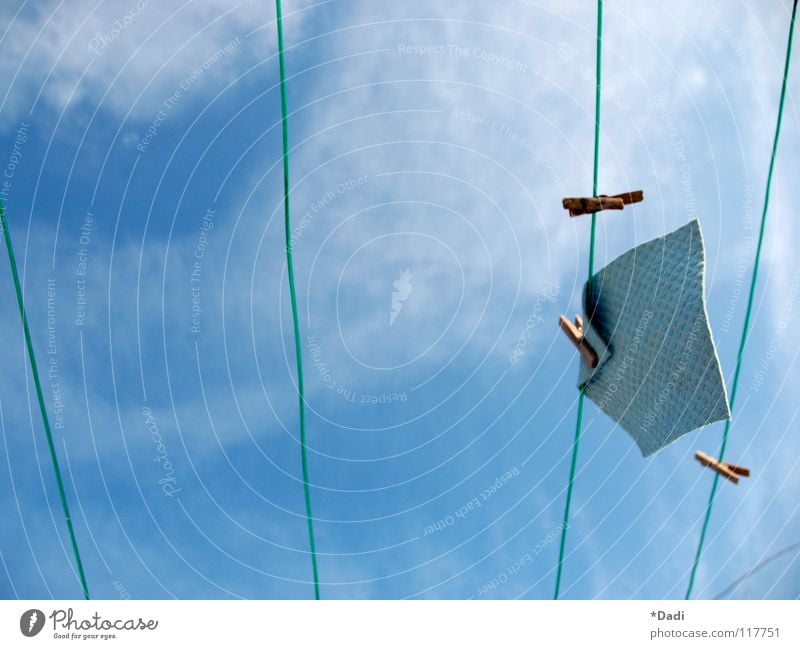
579	206
725	469
575	334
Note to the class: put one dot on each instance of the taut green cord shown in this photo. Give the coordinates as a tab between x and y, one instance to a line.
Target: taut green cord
35	371
748	312
581	397
290	265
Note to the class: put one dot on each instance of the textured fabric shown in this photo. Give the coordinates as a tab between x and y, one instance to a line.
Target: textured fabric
658	373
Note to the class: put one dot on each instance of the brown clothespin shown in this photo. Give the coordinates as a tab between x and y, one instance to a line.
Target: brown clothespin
579	206
725	469
575	334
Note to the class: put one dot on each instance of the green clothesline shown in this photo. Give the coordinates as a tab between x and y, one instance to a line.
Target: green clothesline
45	420
582	396
748	312
295	319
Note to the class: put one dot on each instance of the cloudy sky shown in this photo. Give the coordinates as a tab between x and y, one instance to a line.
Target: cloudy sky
432	143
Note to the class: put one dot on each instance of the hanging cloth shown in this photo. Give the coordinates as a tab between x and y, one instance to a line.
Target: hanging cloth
658	374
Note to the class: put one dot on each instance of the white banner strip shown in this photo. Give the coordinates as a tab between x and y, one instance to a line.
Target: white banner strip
388	624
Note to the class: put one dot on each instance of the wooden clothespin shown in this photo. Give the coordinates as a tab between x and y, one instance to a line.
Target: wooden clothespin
725	469
579	206
576	336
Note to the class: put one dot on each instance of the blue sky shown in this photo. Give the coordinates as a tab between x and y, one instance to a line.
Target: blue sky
428	138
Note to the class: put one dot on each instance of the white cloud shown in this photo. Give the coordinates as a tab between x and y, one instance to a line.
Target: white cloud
60	54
